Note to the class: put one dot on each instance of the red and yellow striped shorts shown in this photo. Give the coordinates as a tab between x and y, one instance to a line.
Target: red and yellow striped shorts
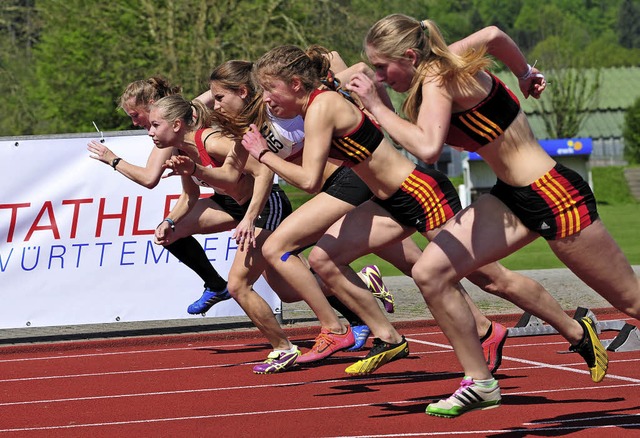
557	205
426	200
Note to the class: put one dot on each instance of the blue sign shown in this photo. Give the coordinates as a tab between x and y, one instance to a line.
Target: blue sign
559	147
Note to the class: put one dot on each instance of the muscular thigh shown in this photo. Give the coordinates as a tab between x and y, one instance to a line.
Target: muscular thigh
484	232
367	229
596	258
308	222
206	217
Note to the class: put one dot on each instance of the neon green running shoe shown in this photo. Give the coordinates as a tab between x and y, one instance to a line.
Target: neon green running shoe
469	397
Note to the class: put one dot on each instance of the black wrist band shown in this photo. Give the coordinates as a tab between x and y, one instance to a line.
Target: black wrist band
115	162
195	166
261	154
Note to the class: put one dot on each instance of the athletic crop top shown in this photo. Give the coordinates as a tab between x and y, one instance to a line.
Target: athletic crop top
356	146
285	137
485	122
205	158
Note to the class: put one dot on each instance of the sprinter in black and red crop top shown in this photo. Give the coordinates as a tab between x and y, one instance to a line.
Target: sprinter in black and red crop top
451	98
486	121
357	145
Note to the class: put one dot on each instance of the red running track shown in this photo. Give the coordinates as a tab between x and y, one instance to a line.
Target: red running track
202	385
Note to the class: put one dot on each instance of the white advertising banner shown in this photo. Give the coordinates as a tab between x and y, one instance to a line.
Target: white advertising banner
76	239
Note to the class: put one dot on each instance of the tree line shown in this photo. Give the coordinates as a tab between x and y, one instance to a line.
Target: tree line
64	63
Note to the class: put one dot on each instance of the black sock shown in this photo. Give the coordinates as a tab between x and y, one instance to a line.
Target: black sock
189	251
345	311
486	335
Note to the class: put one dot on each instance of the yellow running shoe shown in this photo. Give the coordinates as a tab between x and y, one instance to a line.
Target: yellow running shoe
380	354
592	350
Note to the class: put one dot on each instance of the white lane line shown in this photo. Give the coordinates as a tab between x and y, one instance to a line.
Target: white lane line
326	408
370	379
204	390
199	417
115	353
113	373
270	386
534	363
443	348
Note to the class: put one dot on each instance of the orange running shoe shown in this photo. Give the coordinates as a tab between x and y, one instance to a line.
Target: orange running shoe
326	344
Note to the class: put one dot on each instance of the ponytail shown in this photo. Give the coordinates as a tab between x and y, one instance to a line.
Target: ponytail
175	107
286	62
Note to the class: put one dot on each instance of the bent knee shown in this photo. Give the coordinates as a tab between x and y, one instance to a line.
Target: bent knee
319	260
629	307
273	252
486	284
431	280
238	287
497	280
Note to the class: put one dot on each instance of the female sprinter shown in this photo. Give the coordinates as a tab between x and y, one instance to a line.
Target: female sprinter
135	101
245	199
453	99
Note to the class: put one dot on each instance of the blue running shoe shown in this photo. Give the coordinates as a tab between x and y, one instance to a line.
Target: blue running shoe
361	334
207	301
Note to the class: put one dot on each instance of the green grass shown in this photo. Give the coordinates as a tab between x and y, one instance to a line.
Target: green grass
619	211
295	195
610	187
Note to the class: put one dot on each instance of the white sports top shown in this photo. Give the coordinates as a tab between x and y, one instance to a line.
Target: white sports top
285	137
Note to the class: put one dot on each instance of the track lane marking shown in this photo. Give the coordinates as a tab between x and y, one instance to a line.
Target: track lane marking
114	353
290	384
323	408
536	363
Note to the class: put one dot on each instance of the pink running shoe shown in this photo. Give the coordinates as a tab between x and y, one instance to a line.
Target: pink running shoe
492	346
326	344
373	279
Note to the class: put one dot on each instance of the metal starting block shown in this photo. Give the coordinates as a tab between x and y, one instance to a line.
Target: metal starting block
628	338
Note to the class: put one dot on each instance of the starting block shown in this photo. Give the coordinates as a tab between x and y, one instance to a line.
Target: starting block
628	338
